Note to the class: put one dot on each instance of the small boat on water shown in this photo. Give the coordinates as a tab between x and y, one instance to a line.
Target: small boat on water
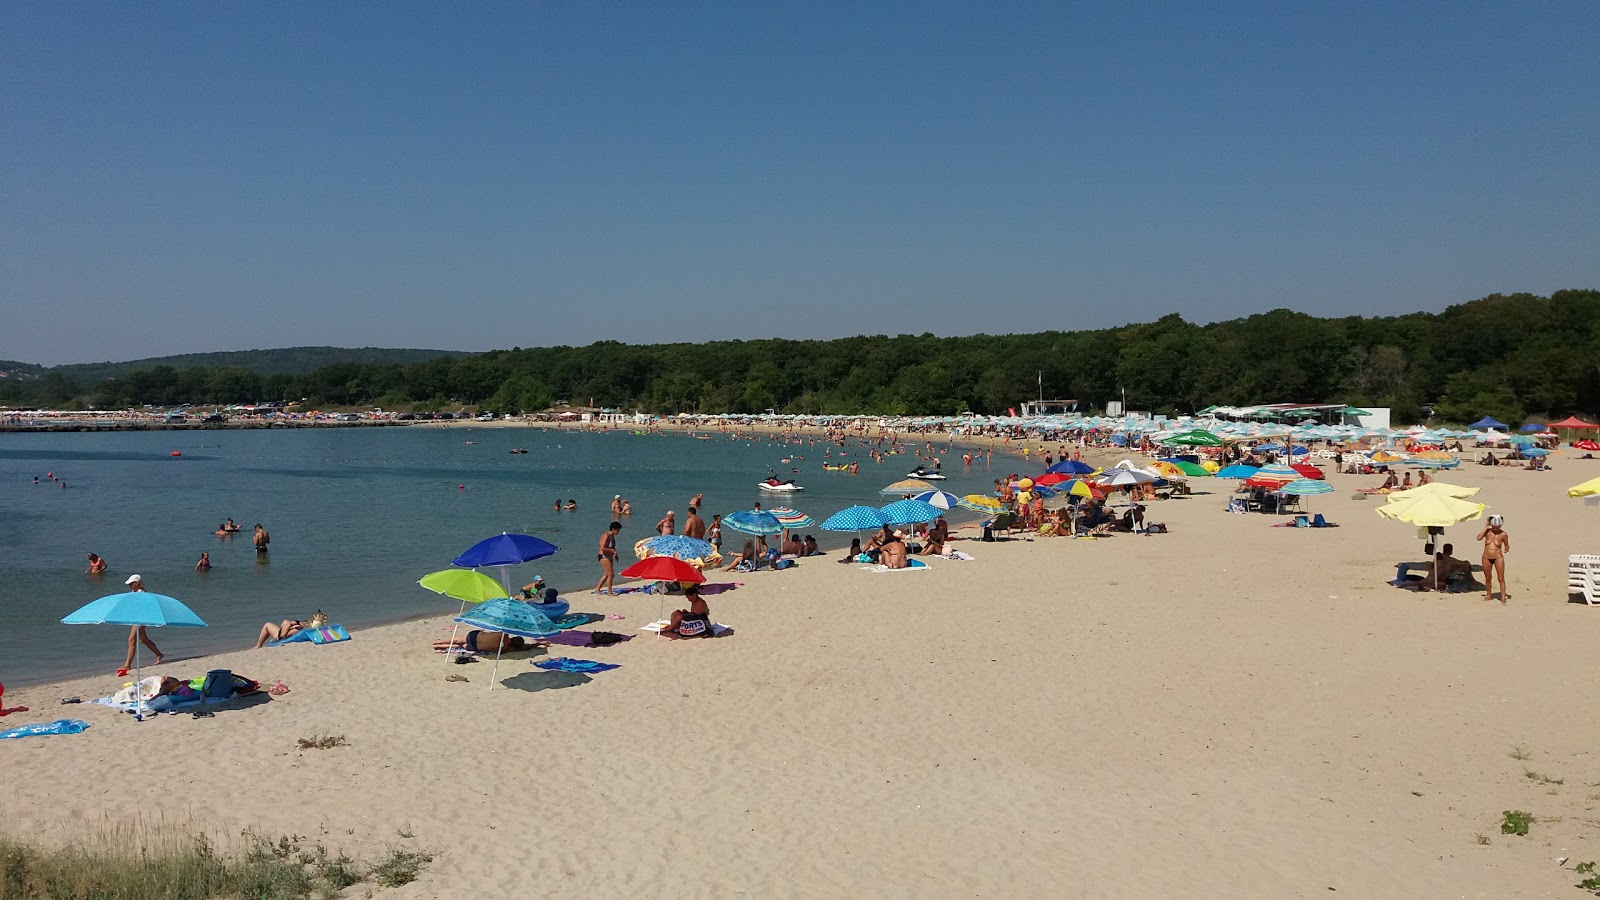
518	450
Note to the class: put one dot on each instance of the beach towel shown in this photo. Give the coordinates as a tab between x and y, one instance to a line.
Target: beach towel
717	628
575	639
59	726
571	620
958	554
327	634
912	565
563	664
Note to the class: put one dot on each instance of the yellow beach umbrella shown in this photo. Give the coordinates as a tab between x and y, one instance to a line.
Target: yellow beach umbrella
1432	511
1435	454
1385	456
1433	488
1167	470
1211	466
1590	488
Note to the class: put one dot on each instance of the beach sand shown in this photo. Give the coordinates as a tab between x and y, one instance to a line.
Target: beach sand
1227	710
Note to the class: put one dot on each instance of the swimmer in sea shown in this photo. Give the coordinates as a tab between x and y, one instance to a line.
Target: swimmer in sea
261	539
97	566
204	565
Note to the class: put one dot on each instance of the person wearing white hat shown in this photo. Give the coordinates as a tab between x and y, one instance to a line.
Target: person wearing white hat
1496	544
137	633
616	505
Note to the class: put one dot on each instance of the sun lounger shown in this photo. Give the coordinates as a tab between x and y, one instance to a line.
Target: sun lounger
1583	577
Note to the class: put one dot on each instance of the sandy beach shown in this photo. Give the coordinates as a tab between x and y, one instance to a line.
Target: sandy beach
1226	710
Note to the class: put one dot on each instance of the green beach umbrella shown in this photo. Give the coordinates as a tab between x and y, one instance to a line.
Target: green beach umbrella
1196	438
466	585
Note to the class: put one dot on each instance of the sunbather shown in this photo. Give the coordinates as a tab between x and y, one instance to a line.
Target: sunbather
855	551
271	632
745	557
483	642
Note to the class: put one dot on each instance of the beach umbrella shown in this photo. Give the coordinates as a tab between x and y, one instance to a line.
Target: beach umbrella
1521	440
1051	479
466	585
907	486
1237	471
507	616
1305	487
1531	427
856	518
910	512
677	546
1071	467
752	521
1307	470
503	551
1184	467
136	608
980	503
1590	488
664	568
1438	488
1080	488
1199	437
1589	445
1385	456
1275	473
1487	422
1431	510
939	499
1535	452
791	518
1422	463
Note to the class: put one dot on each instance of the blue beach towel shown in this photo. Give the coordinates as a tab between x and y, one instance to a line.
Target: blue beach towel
328	634
563	664
59	726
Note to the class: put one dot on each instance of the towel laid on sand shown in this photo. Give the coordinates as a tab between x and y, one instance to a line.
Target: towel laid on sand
59	726
563	664
914	565
717	628
575	639
328	634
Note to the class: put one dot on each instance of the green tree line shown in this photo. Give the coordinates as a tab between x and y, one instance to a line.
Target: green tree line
1508	356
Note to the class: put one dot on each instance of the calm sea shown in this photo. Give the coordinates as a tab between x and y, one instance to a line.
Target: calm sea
356	517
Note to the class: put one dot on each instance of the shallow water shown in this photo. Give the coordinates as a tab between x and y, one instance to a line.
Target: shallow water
356	517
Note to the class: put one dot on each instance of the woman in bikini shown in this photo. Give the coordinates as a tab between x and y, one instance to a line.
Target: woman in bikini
608	560
1496	544
692	622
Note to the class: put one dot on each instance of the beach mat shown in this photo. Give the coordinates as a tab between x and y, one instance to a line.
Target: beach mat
329	634
575	638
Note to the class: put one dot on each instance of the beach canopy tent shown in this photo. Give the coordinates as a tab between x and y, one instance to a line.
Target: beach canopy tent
1487	422
1574	422
136	608
507	616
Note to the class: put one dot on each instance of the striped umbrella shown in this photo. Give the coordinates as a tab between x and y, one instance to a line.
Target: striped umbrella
855	518
910	512
940	499
1274	474
907	486
1305	487
791	518
752	521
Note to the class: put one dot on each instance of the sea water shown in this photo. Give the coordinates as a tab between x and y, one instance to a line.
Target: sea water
356	516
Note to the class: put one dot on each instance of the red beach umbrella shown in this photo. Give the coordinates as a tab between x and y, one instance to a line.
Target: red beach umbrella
1050	479
1308	471
664	568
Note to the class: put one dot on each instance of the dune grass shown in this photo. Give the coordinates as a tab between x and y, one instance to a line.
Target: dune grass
155	863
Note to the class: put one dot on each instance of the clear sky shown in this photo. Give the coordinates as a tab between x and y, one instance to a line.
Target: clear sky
183	177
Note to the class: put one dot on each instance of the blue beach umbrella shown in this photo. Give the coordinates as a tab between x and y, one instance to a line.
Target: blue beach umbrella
676	546
1487	422
855	518
750	521
940	499
1071	467
910	512
505	550
1531	428
508	617
136	608
1237	470
1535	452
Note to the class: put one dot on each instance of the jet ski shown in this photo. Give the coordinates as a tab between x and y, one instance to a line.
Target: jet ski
775	486
926	475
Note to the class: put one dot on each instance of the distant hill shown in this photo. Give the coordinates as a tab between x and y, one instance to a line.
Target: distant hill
284	361
21	371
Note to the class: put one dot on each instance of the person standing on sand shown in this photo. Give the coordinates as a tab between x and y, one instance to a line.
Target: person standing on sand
261	538
1496	544
694	526
608	560
137	634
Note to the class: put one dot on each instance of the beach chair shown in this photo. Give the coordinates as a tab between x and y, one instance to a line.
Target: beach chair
1583	577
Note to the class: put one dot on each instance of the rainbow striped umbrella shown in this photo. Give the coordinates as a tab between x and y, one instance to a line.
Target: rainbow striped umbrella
791	518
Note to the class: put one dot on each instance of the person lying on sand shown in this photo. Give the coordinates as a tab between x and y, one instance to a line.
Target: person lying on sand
478	641
286	628
692	622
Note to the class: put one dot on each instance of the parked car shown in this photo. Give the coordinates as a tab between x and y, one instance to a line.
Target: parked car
214	419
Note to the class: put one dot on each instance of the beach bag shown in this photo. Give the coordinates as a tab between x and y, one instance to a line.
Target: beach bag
783	563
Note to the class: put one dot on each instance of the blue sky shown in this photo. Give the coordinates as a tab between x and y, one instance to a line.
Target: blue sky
185	177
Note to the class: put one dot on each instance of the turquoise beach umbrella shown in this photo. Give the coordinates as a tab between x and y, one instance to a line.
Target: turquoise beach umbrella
136	608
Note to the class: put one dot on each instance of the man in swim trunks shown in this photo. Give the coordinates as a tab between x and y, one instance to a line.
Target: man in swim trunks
616	506
694	526
477	641
608	559
1496	544
667	525
261	538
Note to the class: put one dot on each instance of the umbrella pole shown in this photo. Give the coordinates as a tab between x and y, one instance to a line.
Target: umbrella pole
495	675
138	693
449	653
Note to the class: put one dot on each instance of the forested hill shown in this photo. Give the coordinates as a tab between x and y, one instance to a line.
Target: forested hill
1507	356
284	361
